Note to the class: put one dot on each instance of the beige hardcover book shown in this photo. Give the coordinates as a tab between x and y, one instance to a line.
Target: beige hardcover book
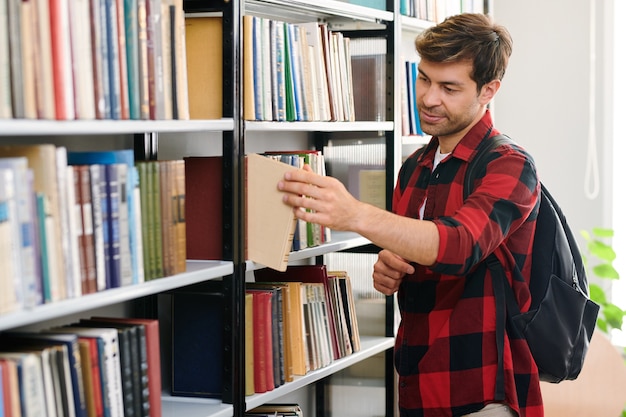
248	71
204	66
270	222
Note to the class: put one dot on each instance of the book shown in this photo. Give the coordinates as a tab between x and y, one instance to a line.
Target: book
178	213
30	382
131	241
62	60
248	68
155	57
113	59
110	362
270	223
15	58
262	334
85	227
122	62
42	160
131	360
71	363
43	62
203	207
10	276
10	388
197	344
69	239
30	275
131	30
249	341
204	66
168	191
307	274
29	73
81	56
99	59
6	109
278	332
90	367
153	359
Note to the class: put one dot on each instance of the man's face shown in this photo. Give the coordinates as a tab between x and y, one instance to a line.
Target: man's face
447	99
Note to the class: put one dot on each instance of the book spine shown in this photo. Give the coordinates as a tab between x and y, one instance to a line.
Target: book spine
113	223
100	223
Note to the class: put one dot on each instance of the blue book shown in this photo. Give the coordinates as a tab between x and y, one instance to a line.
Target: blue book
113	61
133	205
197	345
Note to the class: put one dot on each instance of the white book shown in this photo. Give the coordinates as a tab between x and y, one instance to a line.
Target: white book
10	285
96	174
69	238
43	62
31	288
6	109
80	27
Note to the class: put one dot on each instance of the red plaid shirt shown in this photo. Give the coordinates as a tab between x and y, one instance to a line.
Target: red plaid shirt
446	352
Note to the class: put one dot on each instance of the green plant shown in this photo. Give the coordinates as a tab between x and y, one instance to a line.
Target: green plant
598	259
600	250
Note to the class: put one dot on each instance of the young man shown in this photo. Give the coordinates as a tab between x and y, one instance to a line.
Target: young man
434	243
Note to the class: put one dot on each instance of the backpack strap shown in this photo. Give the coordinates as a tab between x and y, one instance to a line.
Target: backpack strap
503	293
485	147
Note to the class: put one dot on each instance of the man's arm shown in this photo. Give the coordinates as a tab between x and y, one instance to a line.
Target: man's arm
334	207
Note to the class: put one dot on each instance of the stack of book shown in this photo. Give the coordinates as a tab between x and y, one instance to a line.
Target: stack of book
410	115
75	223
93	59
437	10
98	366
296	321
302	320
296	72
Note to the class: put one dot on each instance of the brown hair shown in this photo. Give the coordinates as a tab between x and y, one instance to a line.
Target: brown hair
470	37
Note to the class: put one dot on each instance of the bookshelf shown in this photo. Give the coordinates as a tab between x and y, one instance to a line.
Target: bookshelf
232	137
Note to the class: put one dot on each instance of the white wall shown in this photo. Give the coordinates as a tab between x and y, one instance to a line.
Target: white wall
544	100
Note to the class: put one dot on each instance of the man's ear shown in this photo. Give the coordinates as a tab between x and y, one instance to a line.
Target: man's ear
488	91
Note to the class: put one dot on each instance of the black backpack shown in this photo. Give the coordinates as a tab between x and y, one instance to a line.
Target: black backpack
561	319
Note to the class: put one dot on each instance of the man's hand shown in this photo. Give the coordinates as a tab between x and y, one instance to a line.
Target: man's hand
326	200
389	271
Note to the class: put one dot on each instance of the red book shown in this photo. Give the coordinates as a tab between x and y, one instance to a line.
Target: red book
153	352
262	334
62	60
203	207
10	394
305	273
94	399
85	239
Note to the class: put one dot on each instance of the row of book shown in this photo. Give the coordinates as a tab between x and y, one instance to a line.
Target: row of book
296	321
75	223
93	59
296	72
302	320
96	367
437	10
410	114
